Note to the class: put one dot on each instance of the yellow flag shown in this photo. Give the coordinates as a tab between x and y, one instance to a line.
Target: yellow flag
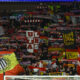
72	55
11	62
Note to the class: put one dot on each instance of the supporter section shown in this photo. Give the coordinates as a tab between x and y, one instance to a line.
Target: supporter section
45	39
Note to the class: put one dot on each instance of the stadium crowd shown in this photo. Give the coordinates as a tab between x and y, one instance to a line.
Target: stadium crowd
38	40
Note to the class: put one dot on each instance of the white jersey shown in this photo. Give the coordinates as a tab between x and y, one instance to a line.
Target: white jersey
54	65
40	65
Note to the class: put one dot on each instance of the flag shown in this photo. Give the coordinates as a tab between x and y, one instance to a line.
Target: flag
72	54
32	41
69	39
9	64
60	20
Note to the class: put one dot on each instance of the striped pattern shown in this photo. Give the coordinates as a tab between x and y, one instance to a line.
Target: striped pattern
32	21
60	20
3	64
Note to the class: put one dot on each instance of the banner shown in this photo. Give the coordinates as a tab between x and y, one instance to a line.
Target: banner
57	73
55	49
71	65
41	69
32	41
4	38
72	55
69	39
